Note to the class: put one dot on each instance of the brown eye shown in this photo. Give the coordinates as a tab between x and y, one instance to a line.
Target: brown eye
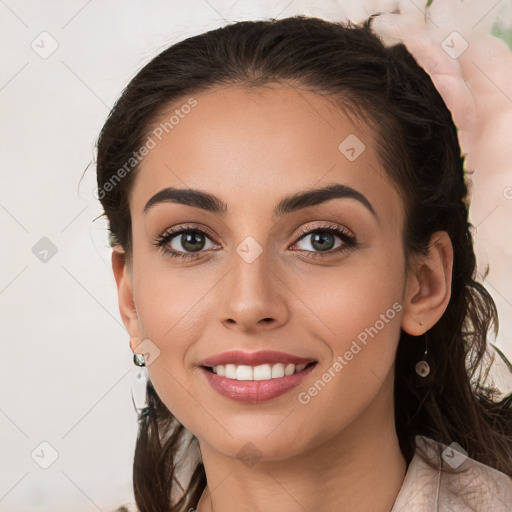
321	240
325	239
192	241
184	242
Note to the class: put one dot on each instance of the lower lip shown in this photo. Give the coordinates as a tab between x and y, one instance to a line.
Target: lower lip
255	391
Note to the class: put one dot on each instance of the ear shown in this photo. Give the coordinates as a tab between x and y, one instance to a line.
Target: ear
428	287
123	277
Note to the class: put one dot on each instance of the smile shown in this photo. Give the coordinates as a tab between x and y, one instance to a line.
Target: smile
260	372
243	383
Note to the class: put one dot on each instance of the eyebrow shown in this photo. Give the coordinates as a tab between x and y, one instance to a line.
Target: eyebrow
295	202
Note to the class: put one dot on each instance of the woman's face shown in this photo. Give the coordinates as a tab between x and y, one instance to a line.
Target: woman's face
255	281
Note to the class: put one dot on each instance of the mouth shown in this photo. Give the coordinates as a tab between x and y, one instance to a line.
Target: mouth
267	371
252	385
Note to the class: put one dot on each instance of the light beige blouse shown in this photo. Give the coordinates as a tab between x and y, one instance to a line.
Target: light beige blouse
474	488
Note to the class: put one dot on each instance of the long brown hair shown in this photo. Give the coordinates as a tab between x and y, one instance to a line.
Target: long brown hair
418	145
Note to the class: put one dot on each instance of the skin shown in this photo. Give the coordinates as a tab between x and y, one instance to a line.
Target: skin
252	148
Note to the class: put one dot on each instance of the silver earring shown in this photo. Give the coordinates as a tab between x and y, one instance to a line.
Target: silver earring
138	360
422	367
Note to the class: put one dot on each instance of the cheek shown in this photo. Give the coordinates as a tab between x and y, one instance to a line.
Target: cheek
355	314
172	307
345	300
352	313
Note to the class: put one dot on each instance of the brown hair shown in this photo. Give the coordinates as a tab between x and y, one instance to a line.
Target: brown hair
417	142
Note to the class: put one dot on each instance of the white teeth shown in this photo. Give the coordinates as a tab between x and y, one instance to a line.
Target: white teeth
230	371
243	372
290	369
278	370
261	372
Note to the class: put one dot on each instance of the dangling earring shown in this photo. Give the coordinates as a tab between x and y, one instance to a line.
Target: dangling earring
138	360
422	367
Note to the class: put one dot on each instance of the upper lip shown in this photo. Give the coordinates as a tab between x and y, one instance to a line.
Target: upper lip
239	357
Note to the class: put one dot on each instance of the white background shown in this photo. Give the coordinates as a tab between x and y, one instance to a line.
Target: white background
66	369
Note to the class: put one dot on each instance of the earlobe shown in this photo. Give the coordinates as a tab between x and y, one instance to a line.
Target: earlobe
428	287
123	277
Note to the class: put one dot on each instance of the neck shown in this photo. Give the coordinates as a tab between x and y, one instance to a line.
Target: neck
360	469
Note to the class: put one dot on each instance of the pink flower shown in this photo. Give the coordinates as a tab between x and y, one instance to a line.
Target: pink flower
471	69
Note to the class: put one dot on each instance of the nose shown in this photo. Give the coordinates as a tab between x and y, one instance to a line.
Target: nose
253	295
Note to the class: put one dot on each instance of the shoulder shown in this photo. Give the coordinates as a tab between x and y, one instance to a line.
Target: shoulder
458	484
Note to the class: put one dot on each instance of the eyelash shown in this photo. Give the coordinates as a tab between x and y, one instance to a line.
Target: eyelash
348	240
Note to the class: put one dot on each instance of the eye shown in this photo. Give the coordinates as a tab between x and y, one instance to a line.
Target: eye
183	242
322	239
186	242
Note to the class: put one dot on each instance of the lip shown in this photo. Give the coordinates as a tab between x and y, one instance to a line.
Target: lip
239	357
255	391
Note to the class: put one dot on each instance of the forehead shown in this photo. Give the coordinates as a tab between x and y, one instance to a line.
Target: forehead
260	143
